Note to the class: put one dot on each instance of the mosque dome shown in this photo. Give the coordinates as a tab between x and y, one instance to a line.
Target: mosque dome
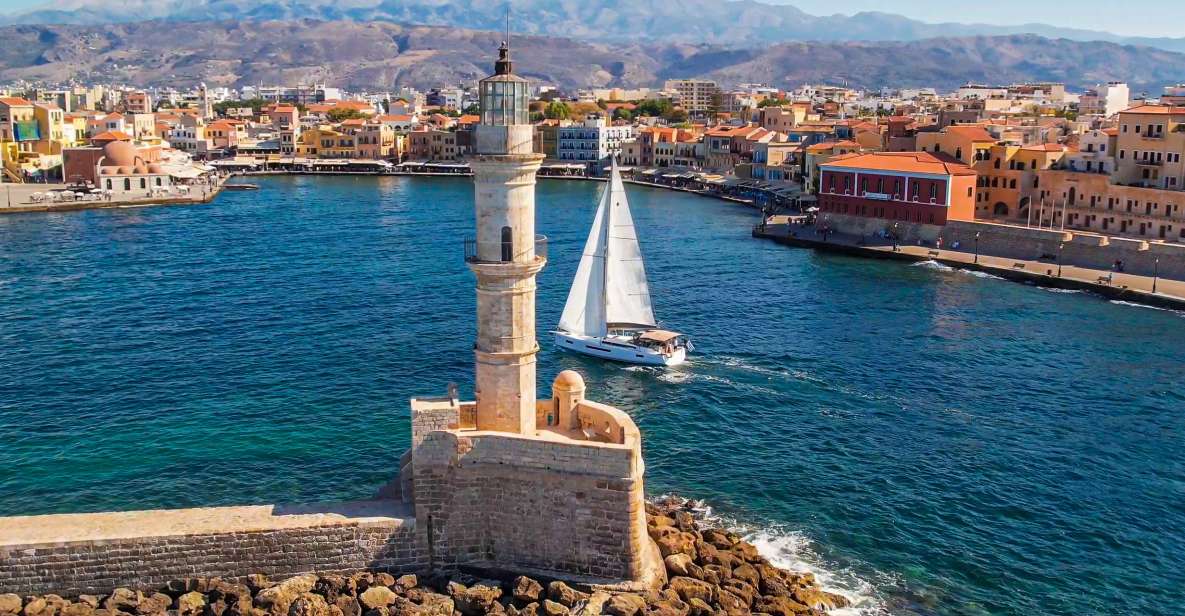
120	154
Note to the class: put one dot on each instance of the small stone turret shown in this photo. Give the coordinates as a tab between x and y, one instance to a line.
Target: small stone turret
567	391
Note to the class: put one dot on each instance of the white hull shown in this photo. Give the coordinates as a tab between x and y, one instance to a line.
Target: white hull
619	348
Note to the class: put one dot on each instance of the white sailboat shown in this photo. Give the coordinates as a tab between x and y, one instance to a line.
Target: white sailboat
608	313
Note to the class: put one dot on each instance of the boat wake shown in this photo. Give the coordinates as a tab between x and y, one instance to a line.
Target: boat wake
791	550
942	267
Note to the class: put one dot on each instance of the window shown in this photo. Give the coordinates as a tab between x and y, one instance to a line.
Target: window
933	192
997	163
1033	164
916	190
969	191
507	244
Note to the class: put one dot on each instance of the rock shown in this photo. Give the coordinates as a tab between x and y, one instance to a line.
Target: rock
348	605
820	599
376	597
404	607
718	538
384	579
747	552
310	604
530	609
330	587
678	564
475	600
780	606
156	603
660	520
668	608
276	600
78	609
748	574
563	594
35	606
672	541
592	606
800	579
551	608
257	582
707	553
699	608
624	605
407	582
378	611
740	589
363	580
690	588
191	604
123	599
90	600
732	603
527	590
433	604
685	521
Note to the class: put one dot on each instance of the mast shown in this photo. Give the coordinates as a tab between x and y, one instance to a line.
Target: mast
608	229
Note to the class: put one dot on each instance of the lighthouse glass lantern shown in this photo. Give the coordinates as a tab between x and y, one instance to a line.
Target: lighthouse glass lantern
504	96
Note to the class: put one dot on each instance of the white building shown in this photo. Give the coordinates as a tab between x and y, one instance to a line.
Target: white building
592	140
1093	155
1105	100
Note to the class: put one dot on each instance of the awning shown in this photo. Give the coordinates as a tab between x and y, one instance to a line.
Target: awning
659	335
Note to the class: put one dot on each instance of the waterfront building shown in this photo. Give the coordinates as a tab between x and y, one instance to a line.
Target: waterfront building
548	485
19	135
1150	144
1008	178
966	143
591	141
911	187
1095	152
816	154
777	162
138	102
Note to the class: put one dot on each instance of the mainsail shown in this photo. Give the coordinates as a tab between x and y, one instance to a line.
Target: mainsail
610	286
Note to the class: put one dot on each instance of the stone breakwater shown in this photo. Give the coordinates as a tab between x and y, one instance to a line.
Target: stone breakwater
711	572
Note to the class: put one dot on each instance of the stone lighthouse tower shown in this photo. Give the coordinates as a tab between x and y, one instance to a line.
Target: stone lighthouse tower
505	254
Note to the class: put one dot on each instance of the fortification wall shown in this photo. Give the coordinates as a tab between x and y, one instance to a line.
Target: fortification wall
1012	242
92	553
533	504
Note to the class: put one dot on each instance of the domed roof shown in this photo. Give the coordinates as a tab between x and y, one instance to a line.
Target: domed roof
141	167
155	168
568	380
120	154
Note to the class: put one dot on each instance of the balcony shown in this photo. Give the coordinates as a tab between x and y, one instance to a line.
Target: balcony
506	249
1150	163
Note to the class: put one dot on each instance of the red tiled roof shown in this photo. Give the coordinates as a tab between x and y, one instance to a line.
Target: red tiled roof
974	133
1159	109
915	162
112	135
13	101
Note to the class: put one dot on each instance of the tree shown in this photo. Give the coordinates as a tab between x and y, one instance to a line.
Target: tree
621	113
654	107
557	110
339	114
473	109
256	104
675	116
770	102
602	104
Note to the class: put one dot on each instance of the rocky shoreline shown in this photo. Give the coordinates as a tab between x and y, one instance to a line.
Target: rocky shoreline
711	572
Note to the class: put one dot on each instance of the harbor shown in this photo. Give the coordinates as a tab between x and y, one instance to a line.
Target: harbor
236	335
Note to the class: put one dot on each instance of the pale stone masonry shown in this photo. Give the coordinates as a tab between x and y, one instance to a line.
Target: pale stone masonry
75	554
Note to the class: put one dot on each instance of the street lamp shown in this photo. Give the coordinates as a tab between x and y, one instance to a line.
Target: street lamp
1059	258
977	246
1155	272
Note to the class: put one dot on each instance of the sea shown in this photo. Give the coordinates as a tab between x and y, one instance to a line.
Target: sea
928	441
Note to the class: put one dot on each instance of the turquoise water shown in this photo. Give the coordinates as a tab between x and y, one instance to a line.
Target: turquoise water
931	441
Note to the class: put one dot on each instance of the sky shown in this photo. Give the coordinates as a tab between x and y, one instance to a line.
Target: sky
1105	15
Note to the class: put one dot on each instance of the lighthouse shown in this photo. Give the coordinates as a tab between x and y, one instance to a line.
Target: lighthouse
505	254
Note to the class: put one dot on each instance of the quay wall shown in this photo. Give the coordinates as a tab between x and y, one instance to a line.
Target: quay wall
1082	249
72	554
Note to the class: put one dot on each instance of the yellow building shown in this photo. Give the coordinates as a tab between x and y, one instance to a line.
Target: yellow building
1007	181
965	142
325	142
1151	141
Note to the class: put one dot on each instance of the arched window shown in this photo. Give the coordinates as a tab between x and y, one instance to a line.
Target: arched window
507	244
108	183
959	153
143	183
997	163
933	192
127	183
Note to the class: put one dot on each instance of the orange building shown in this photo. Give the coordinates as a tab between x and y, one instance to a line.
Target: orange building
916	187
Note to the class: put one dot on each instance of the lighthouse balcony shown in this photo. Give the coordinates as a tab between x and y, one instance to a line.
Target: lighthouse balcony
492	253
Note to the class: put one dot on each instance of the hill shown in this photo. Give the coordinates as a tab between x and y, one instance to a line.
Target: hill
384	54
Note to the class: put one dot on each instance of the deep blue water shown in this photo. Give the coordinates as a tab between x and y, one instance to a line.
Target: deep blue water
935	442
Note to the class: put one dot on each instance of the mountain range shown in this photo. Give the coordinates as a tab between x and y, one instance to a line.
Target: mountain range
382	55
724	22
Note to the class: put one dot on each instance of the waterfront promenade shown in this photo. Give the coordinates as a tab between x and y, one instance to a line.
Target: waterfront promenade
1113	285
18	198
